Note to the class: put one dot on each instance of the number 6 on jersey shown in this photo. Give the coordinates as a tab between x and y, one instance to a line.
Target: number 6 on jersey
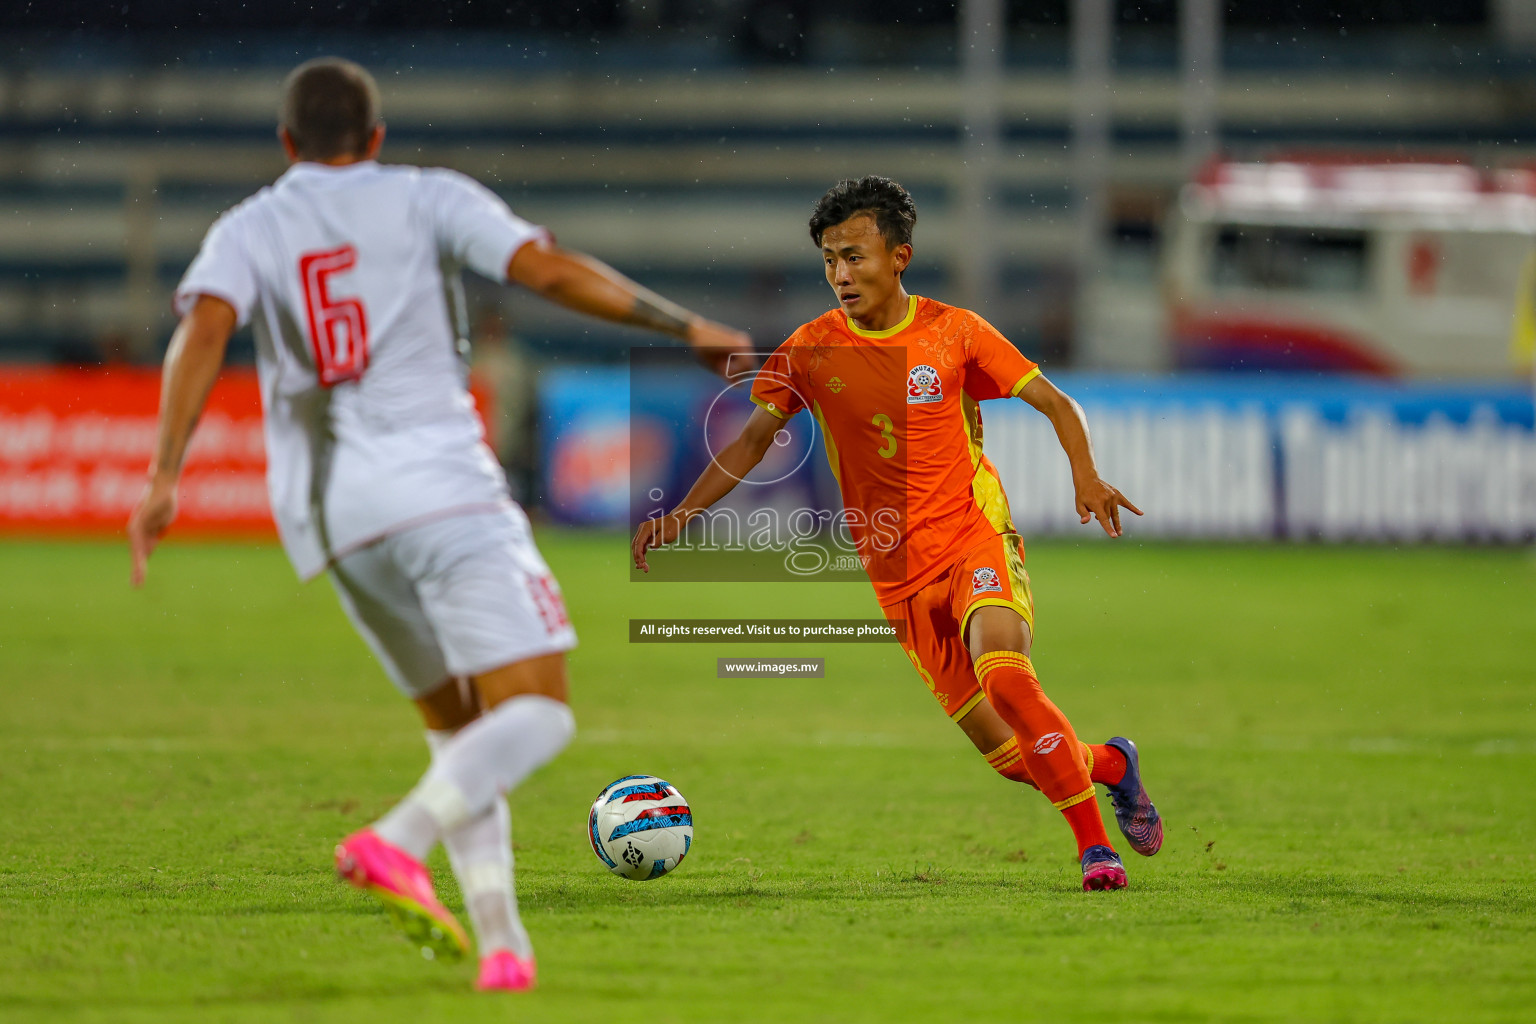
338	329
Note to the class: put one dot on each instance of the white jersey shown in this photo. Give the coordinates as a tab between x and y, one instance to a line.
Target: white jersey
343	273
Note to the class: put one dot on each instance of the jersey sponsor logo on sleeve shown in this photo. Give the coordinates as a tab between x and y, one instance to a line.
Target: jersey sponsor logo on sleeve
985	579
1049	742
923	385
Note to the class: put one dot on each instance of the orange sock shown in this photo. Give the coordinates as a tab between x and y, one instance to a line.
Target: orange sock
1008	762
1087	826
1050	750
1105	764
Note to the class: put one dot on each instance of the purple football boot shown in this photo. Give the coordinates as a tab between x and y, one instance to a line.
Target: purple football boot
1134	813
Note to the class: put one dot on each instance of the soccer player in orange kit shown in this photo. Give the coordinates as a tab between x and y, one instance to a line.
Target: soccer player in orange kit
893	381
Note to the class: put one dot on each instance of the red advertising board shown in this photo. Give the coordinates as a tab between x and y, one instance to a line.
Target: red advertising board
75	445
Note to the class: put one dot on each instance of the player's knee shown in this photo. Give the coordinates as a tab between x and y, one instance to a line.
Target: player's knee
451	706
994	629
544	676
566	721
1008	680
552	720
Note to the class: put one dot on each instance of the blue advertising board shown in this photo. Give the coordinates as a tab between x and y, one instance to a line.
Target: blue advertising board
1206	456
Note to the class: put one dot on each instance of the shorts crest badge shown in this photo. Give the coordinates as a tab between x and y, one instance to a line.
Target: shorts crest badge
923	385
985	579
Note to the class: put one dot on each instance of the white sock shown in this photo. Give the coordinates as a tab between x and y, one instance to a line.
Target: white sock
484	760
480	851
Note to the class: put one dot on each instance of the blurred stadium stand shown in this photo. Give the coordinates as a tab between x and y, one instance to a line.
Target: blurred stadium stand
685	141
686	145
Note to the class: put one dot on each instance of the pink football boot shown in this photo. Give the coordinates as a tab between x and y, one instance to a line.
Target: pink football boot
501	971
402	883
1102	869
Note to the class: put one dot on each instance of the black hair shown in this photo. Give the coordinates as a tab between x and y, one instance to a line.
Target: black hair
891	205
330	108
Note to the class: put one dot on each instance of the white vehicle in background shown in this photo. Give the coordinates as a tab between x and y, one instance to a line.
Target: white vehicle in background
1394	269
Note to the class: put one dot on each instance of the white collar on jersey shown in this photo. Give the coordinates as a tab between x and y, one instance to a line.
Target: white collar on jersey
326	170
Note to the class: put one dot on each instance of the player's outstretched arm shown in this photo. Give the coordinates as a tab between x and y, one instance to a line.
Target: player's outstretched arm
192	364
587	285
722	474
1096	498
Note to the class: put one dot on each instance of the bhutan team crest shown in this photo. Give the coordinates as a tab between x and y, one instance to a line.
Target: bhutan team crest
923	385
985	579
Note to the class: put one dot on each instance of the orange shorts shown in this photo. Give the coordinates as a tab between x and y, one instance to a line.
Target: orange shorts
933	620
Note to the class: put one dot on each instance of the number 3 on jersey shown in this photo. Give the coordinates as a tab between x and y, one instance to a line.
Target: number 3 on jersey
887	437
338	329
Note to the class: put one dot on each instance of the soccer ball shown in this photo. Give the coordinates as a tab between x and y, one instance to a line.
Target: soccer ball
640	826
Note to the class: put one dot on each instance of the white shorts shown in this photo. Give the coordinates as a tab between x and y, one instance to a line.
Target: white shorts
454	597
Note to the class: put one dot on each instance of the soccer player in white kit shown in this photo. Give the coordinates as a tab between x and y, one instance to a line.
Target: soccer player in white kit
378	473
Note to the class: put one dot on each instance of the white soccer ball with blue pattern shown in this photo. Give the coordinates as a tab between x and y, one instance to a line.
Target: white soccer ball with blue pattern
640	827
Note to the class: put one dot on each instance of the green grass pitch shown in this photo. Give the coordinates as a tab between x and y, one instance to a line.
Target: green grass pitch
1342	743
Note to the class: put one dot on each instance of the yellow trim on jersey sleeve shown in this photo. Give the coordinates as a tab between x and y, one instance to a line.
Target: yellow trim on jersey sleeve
1031	375
906	322
769	407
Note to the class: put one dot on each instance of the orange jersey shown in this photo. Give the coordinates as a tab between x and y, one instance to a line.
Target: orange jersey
898	413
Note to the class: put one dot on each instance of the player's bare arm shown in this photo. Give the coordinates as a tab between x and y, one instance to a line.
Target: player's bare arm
723	473
587	285
1096	498
192	364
